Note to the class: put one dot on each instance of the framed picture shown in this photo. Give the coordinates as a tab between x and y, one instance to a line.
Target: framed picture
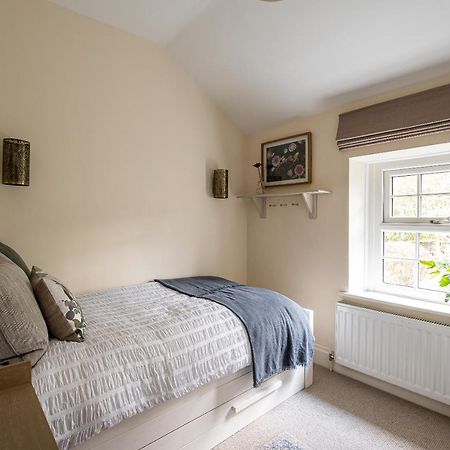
287	160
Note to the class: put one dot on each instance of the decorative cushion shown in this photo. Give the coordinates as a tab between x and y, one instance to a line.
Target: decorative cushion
59	307
22	328
14	257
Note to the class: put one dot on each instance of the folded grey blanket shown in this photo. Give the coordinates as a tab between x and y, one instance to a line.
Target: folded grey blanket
278	329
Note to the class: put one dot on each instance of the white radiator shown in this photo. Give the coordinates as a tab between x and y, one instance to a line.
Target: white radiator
410	353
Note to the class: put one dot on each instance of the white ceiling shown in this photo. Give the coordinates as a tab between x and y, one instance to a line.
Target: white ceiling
268	62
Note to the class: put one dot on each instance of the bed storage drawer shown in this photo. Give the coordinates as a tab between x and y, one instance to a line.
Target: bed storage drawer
210	429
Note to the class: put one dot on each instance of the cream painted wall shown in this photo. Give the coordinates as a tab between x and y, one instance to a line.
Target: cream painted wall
305	259
123	144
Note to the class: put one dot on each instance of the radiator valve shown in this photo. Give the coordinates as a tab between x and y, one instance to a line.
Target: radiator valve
331	359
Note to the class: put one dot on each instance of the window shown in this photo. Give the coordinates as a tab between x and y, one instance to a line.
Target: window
407	221
414	196
417	195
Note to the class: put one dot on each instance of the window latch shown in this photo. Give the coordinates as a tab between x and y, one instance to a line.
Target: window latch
440	221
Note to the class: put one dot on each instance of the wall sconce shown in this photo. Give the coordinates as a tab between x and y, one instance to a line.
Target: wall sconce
16	162
220	183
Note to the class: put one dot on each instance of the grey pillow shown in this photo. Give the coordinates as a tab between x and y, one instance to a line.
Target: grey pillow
14	257
60	309
23	331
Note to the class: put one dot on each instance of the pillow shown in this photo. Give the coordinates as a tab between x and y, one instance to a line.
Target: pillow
59	307
14	257
22	328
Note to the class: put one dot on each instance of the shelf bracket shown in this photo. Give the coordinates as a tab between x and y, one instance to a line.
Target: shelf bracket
311	204
261	206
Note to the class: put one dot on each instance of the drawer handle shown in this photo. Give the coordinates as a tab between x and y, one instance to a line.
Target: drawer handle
255	395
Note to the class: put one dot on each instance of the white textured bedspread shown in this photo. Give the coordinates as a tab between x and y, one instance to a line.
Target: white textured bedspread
144	345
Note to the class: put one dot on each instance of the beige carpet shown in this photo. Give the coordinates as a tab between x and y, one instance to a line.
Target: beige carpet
338	413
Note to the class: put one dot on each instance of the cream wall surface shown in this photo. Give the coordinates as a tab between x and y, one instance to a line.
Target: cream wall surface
305	259
123	144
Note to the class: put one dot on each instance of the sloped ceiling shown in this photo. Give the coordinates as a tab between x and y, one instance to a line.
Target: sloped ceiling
268	62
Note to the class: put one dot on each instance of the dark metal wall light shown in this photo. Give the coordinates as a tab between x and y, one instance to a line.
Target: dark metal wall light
16	162
220	183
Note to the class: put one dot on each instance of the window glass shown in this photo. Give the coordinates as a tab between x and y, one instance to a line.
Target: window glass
435	206
404	207
400	245
404	185
434	246
436	183
402	252
399	272
427	281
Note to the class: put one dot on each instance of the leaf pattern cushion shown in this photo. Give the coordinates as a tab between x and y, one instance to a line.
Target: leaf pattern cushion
60	309
23	331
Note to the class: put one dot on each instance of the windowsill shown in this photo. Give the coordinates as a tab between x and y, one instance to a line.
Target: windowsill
402	302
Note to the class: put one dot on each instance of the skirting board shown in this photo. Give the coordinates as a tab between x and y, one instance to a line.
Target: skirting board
321	356
321	359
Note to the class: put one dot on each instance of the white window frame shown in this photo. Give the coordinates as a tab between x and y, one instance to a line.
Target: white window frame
388	174
378	220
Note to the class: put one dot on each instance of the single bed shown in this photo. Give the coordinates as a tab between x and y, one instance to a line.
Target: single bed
158	369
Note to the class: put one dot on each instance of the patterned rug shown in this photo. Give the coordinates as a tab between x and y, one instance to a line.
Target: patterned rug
283	441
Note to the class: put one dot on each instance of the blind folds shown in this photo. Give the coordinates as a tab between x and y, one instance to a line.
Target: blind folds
418	114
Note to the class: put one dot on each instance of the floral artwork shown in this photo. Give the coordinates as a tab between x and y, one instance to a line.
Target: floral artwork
287	161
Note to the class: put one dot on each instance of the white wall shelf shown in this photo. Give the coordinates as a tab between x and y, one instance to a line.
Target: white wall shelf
310	199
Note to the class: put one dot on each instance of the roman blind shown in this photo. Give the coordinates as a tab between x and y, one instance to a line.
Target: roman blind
414	115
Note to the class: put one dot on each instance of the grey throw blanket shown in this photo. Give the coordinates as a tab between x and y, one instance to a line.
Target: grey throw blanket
278	329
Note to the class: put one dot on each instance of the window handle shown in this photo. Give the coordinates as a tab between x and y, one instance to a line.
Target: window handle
440	221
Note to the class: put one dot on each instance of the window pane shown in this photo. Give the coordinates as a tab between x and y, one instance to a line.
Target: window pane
426	281
404	185
435	183
434	246
404	207
435	206
400	245
399	272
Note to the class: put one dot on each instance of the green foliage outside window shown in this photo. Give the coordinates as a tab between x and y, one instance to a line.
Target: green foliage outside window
442	270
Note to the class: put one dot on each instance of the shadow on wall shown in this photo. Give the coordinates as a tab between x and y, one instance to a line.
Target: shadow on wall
210	166
390	84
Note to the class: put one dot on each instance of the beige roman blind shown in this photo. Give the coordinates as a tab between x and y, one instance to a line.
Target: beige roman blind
414	115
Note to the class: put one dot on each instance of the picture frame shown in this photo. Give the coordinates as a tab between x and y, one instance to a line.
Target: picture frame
287	160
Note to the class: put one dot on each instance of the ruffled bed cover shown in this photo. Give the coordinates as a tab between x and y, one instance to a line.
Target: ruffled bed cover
144	345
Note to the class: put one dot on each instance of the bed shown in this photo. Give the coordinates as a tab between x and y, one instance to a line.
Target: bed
158	369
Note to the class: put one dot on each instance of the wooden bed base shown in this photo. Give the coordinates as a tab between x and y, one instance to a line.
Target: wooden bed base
205	417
